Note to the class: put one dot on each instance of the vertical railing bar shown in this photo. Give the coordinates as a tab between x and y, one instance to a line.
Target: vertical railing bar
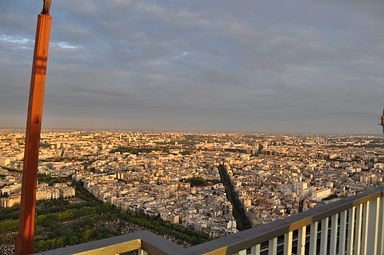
255	250
377	224
242	252
334	227
324	236
272	246
301	241
288	243
142	252
364	242
313	238
373	227
359	216
381	251
343	232
351	230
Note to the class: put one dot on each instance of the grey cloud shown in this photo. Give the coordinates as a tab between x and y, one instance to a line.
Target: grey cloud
296	65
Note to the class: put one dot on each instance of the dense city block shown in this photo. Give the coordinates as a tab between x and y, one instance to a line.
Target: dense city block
175	178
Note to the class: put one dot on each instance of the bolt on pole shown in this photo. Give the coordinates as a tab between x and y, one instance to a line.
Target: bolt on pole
25	237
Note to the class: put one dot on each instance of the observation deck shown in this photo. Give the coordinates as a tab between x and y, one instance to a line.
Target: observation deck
353	225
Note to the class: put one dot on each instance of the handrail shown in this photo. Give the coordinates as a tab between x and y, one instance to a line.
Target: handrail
155	244
262	233
146	240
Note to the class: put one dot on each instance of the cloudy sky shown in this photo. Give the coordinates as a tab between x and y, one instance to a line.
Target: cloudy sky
247	65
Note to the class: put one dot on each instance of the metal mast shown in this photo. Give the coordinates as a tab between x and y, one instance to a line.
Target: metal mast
25	237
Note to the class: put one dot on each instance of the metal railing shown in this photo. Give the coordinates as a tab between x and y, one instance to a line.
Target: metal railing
353	225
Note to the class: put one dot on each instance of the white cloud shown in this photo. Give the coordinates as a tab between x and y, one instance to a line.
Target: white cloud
15	39
65	45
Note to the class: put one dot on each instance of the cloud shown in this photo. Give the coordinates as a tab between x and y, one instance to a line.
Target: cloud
296	65
65	45
15	39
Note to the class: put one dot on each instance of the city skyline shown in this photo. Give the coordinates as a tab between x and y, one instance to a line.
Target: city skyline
215	184
252	66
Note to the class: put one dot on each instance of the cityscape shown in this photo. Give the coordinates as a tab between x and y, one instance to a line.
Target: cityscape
191	127
175	176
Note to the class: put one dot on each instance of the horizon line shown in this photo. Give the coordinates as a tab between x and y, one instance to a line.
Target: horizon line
143	130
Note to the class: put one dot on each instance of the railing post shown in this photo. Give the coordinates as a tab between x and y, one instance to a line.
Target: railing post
364	242
343	231
359	217
334	227
255	250
272	246
351	230
313	238
373	227
142	252
301	241
381	225
242	252
324	236
288	243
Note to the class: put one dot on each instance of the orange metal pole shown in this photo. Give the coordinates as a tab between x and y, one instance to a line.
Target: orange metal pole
25	237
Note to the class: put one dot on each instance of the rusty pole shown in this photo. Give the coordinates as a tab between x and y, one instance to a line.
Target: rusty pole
25	237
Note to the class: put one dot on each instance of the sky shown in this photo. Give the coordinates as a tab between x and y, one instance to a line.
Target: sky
199	65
